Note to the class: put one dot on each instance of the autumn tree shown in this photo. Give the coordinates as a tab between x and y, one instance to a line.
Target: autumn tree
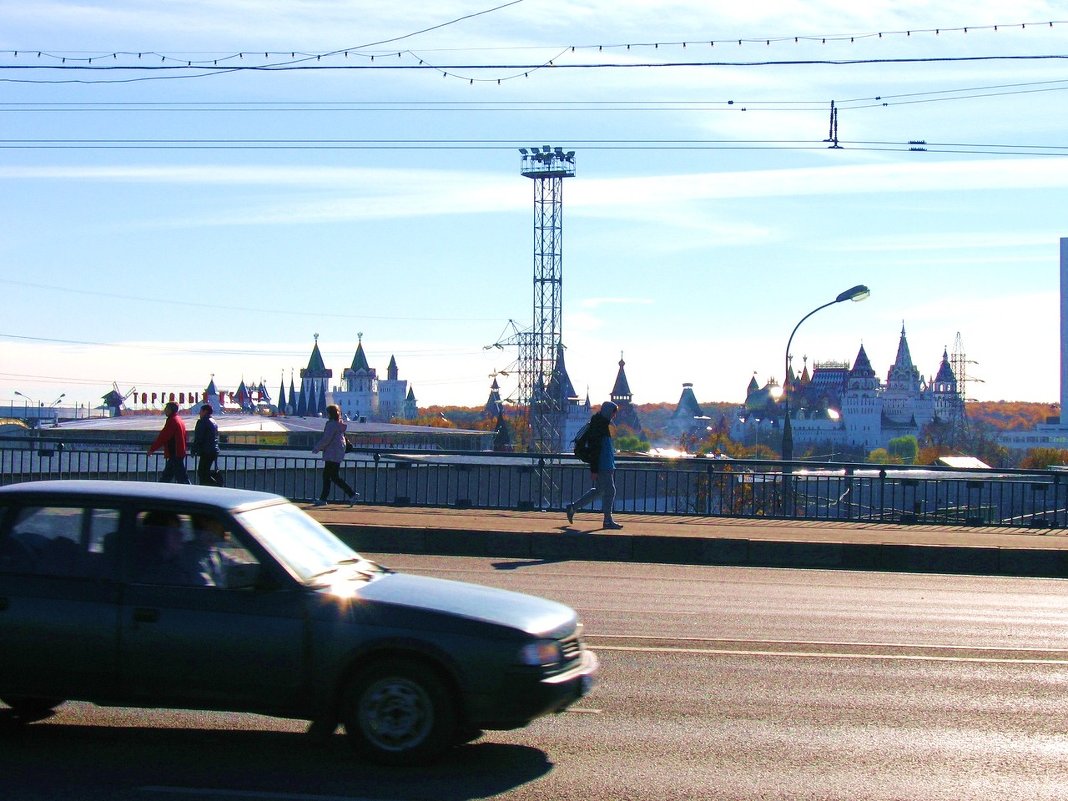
1041	458
904	449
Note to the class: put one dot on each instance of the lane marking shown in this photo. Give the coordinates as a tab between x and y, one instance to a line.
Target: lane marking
833	655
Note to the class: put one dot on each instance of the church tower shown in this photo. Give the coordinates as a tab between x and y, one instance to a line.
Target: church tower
621	396
391	393
314	384
360	386
862	407
947	399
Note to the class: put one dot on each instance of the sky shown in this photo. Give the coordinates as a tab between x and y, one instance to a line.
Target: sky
197	190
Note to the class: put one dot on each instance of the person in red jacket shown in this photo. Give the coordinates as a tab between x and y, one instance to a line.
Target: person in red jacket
172	439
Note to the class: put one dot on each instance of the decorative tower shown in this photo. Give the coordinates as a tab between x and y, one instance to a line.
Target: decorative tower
622	397
314	383
861	404
360	386
391	393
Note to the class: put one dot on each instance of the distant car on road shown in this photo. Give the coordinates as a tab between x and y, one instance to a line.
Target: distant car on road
189	597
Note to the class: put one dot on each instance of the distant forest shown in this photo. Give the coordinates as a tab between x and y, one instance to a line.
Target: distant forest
998	415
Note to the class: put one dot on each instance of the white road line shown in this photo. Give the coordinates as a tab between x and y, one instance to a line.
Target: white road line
834	655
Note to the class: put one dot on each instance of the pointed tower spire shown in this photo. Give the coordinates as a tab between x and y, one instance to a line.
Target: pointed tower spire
621	389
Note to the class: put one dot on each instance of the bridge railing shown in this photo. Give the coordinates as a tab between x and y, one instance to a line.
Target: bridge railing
685	487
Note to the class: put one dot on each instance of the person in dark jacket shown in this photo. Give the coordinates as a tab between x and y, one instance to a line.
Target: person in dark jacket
172	439
206	446
602	467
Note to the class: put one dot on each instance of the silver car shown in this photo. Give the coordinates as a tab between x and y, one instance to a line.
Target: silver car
178	596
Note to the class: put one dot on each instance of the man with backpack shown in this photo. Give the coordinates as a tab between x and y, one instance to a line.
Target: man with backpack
594	446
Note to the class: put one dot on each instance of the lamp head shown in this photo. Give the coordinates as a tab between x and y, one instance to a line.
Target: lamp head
856	294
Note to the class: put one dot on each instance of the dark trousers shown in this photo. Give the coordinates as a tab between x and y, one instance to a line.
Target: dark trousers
174	470
330	475
204	467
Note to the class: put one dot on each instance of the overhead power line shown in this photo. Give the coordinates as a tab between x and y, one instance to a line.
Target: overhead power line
512	144
201	65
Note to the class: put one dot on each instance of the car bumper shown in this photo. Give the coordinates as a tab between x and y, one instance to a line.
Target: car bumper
527	697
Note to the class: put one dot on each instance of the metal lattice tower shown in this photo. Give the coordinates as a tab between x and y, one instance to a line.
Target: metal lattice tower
959	361
548	167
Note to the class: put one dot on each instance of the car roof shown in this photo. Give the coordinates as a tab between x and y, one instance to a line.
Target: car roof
218	497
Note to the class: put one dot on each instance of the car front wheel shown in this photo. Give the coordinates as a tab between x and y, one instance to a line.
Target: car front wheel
399	711
28	708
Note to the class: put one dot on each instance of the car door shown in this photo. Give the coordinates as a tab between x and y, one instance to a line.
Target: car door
59	601
190	640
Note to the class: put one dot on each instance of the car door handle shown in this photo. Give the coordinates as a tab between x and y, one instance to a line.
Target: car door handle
144	614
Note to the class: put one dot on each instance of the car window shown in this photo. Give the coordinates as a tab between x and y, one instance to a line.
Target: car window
197	550
296	539
60	541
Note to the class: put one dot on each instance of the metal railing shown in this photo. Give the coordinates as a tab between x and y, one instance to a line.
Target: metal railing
685	487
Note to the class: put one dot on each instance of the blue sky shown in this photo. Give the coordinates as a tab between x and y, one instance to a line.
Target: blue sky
221	219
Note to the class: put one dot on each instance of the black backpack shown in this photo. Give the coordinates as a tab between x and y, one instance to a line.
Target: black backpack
584	444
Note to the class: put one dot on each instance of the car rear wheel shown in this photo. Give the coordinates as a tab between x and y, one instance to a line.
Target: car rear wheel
30	708
399	711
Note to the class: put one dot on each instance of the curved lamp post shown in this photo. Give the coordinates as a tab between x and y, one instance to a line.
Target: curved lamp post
27	397
857	293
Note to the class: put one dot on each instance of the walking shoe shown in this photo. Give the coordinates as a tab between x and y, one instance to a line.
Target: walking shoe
612	524
571	513
319	503
352	498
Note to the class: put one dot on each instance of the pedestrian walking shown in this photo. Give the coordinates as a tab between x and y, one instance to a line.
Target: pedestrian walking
602	463
171	439
206	446
332	446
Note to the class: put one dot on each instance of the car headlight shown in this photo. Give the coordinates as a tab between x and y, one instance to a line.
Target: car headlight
541	653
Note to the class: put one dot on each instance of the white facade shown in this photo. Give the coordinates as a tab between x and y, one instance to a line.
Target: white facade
869	413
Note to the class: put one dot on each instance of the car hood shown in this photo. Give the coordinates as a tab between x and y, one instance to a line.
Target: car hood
527	613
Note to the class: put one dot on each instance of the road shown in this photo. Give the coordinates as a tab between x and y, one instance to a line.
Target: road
717	683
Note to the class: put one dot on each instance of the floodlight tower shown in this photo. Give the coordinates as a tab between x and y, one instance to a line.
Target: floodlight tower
548	167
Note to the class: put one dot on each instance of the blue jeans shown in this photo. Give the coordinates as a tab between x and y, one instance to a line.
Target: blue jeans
605	486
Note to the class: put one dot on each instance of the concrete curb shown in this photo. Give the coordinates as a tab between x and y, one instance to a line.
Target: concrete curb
733	552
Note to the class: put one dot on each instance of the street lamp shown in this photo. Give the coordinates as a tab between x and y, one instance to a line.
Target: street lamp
857	293
27	397
62	395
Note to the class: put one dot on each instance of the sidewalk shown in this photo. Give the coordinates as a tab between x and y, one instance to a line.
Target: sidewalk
546	536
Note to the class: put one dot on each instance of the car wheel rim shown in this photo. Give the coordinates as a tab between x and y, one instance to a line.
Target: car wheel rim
396	714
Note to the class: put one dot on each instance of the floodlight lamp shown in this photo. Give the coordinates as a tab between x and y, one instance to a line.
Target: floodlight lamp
546	149
523	150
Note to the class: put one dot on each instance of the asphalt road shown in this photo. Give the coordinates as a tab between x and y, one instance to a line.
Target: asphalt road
716	683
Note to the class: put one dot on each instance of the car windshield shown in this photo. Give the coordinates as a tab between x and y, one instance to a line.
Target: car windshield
299	542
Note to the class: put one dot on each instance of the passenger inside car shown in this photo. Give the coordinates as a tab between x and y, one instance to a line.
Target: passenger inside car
202	555
159	551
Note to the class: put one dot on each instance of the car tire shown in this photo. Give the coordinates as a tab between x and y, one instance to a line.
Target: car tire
399	712
30	708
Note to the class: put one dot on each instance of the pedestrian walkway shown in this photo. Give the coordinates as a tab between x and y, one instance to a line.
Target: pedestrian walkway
547	536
